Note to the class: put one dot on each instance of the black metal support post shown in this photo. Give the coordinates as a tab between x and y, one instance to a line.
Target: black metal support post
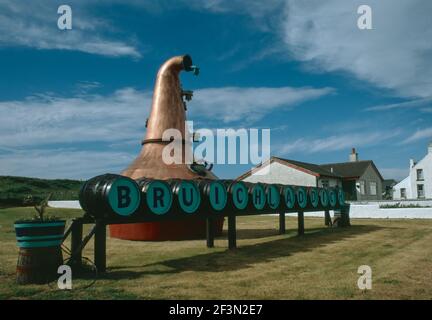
327	218
232	232
100	246
282	228
300	219
210	232
76	239
345	209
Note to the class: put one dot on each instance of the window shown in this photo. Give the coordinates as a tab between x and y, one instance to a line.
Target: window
373	188
420	191
362	187
420	175
403	193
324	183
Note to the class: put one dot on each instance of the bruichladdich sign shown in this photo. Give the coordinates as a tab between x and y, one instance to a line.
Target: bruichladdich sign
114	197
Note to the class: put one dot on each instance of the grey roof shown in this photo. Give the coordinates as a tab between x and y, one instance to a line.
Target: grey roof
333	170
351	169
316	169
311	167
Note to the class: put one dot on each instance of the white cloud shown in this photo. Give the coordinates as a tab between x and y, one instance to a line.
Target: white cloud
264	12
419	135
231	104
61	163
34	24
35	131
395	55
47	119
402	105
336	142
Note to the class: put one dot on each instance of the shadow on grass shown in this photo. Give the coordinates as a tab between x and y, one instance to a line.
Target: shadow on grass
244	256
246	234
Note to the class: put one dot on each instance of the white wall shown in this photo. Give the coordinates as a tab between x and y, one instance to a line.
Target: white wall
373	211
404	184
279	173
408	202
410	183
426	165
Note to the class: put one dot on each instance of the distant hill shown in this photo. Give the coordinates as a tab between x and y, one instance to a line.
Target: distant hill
14	190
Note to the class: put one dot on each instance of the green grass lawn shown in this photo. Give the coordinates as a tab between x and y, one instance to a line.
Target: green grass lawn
320	265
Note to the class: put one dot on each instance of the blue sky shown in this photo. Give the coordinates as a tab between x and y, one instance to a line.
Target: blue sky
73	103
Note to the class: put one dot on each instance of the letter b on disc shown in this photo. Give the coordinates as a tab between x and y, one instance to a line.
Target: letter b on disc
124	196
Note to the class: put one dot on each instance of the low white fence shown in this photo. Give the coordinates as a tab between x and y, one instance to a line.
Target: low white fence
357	210
373	210
403	203
73	204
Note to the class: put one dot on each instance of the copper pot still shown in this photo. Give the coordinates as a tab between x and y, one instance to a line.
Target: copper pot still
167	111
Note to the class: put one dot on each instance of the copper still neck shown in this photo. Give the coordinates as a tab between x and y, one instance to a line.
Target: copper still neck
167	110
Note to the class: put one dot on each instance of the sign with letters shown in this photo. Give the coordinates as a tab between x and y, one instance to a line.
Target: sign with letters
240	195
124	197
273	196
289	197
218	195
117	197
159	197
189	196
258	196
314	197
324	197
332	197
302	197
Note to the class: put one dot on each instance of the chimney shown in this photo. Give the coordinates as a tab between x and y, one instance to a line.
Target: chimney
412	163
430	147
353	157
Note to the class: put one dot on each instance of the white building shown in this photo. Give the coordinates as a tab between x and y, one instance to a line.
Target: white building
284	171
418	185
360	180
